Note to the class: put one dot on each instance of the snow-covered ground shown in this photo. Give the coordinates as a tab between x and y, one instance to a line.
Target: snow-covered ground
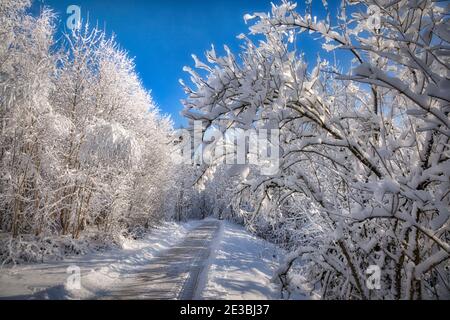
99	271
239	266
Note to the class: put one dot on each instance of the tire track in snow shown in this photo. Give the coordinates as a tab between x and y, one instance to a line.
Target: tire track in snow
197	278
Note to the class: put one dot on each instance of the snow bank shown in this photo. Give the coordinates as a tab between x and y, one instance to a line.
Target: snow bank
241	267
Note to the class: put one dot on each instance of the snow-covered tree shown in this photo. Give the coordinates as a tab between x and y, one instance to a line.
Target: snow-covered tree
364	151
26	116
84	149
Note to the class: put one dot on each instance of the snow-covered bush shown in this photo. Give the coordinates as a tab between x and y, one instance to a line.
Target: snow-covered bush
364	171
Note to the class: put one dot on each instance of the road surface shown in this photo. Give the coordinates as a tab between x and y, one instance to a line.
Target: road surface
175	274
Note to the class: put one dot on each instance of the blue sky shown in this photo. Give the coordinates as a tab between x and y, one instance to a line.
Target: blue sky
162	34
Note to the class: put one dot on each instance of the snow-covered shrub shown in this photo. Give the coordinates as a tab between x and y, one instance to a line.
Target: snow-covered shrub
31	248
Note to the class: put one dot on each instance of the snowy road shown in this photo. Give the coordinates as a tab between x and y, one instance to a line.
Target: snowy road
173	275
207	259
